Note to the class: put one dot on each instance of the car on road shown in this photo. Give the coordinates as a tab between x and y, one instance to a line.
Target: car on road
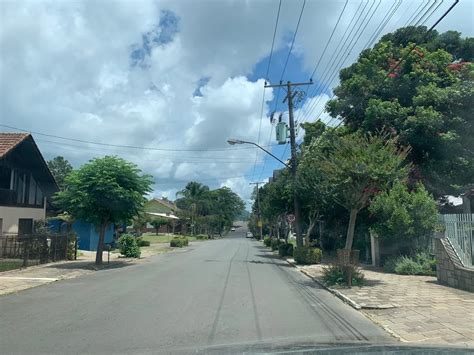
232	229
249	235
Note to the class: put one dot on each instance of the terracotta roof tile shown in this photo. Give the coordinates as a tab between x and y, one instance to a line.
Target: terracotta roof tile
10	140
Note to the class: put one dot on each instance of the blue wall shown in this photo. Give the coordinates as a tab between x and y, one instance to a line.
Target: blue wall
86	233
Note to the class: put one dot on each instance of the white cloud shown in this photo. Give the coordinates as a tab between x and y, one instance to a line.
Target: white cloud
66	70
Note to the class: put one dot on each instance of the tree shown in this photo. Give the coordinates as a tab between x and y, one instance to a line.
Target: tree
105	191
403	215
426	99
60	168
140	222
157	223
355	168
195	199
227	206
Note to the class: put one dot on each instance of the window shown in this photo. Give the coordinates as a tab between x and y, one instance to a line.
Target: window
5	177
32	192
25	226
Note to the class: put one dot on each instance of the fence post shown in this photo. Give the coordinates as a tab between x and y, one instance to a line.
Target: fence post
25	252
75	248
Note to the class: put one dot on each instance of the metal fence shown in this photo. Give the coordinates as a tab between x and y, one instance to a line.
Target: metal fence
459	230
37	249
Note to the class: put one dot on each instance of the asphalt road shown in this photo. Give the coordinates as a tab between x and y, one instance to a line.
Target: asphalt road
215	296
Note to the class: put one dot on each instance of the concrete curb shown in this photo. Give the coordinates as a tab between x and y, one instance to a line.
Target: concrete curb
336	293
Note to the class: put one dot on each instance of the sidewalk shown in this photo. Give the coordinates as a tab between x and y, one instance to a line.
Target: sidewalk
33	276
412	308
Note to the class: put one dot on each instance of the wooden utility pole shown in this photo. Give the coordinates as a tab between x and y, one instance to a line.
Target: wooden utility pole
259	213
297	209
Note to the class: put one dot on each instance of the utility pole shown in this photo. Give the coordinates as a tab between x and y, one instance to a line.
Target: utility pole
259	214
297	209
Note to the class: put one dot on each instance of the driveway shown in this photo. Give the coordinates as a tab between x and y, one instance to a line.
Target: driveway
214	296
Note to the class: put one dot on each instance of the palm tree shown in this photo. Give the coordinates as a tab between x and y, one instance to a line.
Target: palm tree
194	198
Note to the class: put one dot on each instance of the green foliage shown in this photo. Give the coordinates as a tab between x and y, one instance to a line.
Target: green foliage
158	222
142	243
71	245
338	275
408	266
203	237
275	243
267	241
60	168
427	101
307	255
404	215
285	249
351	168
421	263
179	242
128	246
213	210
105	191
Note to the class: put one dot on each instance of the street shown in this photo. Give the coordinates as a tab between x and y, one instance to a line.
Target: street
221	294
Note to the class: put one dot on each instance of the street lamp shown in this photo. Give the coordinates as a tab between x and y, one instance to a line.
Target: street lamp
233	141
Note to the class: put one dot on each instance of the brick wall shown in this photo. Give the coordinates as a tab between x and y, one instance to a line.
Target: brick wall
450	271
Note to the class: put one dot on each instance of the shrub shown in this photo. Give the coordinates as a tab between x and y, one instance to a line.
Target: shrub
275	243
338	275
408	266
143	243
285	249
267	241
128	246
179	242
202	237
71	246
421	264
307	255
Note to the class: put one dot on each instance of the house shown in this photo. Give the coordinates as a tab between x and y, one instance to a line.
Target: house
166	209
26	184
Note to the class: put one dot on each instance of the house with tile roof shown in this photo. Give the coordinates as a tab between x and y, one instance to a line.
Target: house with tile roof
26	183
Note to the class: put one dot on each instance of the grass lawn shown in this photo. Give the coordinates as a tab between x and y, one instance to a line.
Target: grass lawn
6	265
161	238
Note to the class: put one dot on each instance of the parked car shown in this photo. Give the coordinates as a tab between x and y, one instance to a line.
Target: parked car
232	229
249	235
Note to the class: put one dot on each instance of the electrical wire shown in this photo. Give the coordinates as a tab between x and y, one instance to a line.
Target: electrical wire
267	79
121	145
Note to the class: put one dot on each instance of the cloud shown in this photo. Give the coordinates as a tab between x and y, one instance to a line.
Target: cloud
170	74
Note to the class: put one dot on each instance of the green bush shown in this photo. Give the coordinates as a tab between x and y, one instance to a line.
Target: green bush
338	275
408	266
179	242
128	246
420	264
307	255
71	245
285	249
142	243
202	237
267	241
275	243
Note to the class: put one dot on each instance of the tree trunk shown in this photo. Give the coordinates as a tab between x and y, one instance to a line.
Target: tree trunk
351	228
100	245
312	222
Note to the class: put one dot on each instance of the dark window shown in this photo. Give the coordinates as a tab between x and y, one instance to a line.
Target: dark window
5	177
25	226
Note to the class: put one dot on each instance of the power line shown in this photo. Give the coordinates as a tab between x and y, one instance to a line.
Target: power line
289	53
322	54
338	65
123	146
266	78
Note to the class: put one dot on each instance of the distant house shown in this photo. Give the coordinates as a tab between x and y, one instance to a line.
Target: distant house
26	184
166	209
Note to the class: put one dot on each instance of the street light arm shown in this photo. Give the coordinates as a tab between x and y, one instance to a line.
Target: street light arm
266	151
